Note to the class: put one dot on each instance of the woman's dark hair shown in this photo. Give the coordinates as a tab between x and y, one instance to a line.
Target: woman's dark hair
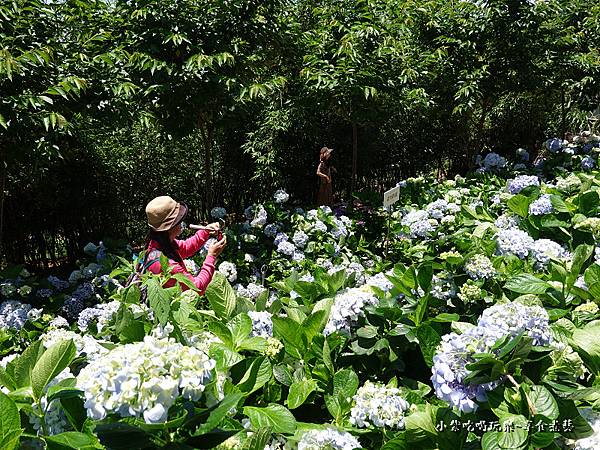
164	244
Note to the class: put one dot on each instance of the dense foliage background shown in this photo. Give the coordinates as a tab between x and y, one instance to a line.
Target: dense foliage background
218	102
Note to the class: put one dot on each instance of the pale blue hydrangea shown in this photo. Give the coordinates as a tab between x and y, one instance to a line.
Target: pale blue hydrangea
422	228
329	438
347	307
298	256
279	238
512	318
281	196
480	267
543	250
326	209
339	228
218	212
380	281
13	314
259	216
58	322
101	314
44	293
319	226
262	325
442	286
521	182
251	291
379	406
286	248
506	221
228	270
300	239
541	206
456	351
588	163
597	254
513	241
580	283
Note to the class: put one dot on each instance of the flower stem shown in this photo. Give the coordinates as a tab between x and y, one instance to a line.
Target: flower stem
529	402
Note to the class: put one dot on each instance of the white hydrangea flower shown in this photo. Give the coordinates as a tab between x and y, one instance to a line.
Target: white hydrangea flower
379	406
347	307
281	196
251	291
84	344
543	250
229	270
514	241
103	313
480	267
300	239
260	217
144	379
329	438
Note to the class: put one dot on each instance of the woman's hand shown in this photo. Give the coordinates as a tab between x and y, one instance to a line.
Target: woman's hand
213	228
217	248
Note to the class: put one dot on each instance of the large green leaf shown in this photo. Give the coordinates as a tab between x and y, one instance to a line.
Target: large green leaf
525	283
121	436
219	413
429	339
581	254
299	392
72	440
588	203
221	296
544	402
421	424
586	342
159	300
240	327
51	363
345	384
519	204
256	376
10	423
291	334
25	363
275	416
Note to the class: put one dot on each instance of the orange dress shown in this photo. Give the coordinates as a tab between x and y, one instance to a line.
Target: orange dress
325	195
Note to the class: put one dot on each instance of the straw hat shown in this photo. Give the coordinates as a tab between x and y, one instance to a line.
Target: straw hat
164	213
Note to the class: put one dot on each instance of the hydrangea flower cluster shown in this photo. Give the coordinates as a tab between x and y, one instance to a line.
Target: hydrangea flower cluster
191	266
13	315
55	418
480	267
378	405
380	281
57	283
347	307
281	196
7	288
554	145
144	379
351	268
456	351
543	250
491	162
541	206
442	286
521	182
329	438
257	215
228	270
512	241
252	291
300	239
506	221
319	227
286	248
218	212
84	344
271	229
101	313
58	322
418	223
470	293
588	163
262	325
274	346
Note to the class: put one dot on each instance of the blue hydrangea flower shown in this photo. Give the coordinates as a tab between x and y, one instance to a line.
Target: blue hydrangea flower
521	182
522	154
553	145
543	250
541	206
588	163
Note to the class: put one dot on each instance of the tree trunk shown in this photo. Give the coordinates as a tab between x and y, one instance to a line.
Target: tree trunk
354	163
206	131
2	189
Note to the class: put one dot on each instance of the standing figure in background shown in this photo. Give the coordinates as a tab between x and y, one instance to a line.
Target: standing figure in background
325	195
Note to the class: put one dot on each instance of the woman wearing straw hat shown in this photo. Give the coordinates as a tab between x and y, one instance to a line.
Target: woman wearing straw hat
325	195
165	217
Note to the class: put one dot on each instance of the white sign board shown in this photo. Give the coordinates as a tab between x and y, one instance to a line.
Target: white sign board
390	197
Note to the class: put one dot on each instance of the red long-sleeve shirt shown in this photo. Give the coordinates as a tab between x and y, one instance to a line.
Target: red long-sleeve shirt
185	248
